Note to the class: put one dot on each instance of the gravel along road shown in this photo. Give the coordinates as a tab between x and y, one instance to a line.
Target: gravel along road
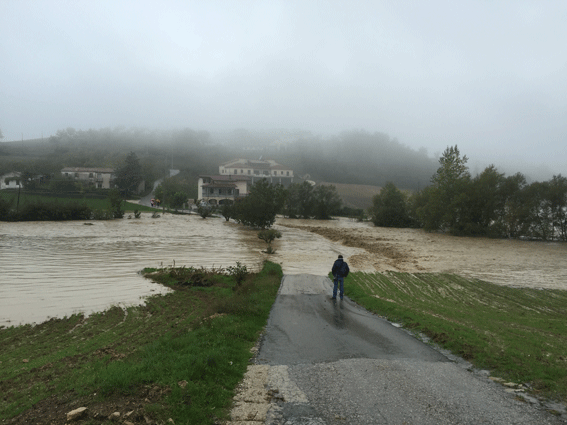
331	362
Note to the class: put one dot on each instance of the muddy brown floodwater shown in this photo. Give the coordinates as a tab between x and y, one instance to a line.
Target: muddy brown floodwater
369	248
53	269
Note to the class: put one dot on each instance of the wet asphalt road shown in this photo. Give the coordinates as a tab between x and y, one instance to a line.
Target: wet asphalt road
332	362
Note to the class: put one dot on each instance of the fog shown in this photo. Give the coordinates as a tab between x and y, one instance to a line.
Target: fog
486	76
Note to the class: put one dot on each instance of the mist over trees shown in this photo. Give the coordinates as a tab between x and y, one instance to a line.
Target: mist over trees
359	157
488	204
356	157
444	194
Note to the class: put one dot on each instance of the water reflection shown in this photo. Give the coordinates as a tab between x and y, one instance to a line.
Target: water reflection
53	269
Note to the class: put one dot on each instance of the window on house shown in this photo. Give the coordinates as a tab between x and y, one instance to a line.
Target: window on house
288	173
91	175
248	171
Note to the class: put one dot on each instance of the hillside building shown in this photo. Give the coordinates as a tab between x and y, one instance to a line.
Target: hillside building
11	181
218	190
101	178
258	169
236	177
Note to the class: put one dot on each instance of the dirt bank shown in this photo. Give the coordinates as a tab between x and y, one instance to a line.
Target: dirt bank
505	262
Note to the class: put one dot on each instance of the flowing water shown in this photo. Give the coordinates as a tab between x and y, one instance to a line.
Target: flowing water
53	269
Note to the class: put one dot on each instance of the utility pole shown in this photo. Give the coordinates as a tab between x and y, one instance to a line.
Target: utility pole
19	190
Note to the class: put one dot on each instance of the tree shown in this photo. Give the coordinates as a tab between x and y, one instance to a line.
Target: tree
390	208
260	207
204	211
268	236
480	203
326	201
166	191
511	216
444	205
557	199
115	203
63	184
537	218
227	210
178	199
129	175
299	200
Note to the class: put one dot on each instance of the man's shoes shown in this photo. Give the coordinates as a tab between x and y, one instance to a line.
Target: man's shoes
341	298
333	298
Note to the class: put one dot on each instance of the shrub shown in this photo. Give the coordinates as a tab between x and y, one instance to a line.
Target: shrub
268	236
238	272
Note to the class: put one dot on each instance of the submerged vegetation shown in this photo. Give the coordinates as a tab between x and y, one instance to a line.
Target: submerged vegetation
518	334
179	356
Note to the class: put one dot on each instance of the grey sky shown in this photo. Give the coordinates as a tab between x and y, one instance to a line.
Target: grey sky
490	76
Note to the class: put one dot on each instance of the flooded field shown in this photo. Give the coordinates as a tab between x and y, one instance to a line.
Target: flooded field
53	269
500	261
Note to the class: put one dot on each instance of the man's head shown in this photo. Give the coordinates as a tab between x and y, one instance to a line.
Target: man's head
340	256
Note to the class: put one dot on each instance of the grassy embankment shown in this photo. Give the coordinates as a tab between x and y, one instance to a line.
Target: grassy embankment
93	204
180	356
519	334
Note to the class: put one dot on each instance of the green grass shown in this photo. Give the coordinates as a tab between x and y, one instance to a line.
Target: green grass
201	335
94	204
518	334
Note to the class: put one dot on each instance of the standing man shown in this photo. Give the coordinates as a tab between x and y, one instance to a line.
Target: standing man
340	271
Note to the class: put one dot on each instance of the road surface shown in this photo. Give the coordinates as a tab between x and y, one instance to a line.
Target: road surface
332	362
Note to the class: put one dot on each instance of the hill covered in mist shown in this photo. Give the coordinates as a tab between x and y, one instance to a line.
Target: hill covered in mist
354	157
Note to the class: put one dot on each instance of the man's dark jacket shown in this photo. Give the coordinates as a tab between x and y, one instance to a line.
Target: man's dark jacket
340	268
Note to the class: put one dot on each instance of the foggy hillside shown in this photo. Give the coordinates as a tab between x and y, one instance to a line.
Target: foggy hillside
355	157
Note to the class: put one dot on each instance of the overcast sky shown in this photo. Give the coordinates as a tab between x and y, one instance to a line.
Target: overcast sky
489	76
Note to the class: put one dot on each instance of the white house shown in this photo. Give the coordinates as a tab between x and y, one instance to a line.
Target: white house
258	169
11	181
222	189
101	178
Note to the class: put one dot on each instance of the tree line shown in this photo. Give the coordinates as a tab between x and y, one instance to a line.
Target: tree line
265	200
488	204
